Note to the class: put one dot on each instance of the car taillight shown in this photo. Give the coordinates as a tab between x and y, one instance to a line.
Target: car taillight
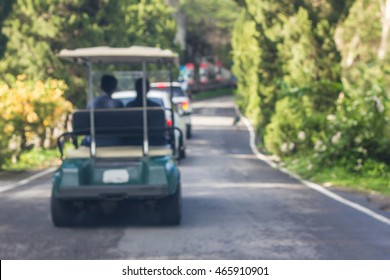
185	106
160	85
169	122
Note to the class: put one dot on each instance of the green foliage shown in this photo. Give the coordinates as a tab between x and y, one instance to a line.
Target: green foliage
149	22
359	35
321	93
291	61
33	159
286	127
33	105
360	123
297	50
373	176
38	30
247	58
5	153
219	13
5	9
208	27
29	111
213	93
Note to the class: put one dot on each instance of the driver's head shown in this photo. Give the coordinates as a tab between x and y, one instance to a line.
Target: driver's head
139	86
108	83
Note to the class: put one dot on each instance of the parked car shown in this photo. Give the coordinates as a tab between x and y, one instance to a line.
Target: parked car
163	99
180	99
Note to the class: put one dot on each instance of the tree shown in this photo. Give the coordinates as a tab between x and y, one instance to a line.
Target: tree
385	11
38	30
149	22
205	25
366	81
268	71
29	109
5	9
246	55
320	75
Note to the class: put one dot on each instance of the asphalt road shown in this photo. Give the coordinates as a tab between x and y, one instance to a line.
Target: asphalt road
234	207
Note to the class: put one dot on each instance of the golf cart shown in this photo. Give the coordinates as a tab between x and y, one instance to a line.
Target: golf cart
139	166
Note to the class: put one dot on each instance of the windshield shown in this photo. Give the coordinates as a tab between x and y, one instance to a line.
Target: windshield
177	91
127	96
126	79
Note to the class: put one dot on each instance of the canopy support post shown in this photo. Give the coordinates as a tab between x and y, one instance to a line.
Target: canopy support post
144	111
171	92
92	109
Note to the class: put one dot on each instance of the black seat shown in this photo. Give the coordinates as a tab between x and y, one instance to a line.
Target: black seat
118	127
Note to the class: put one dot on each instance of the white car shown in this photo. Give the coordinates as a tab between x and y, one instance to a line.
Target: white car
180	99
163	99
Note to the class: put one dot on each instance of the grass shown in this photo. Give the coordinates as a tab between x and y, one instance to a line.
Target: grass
34	159
213	93
339	176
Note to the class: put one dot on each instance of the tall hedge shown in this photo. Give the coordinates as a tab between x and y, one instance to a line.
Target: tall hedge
320	89
246	56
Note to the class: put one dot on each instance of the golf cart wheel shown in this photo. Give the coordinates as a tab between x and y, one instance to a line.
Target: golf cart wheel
63	213
182	149
170	209
182	152
189	132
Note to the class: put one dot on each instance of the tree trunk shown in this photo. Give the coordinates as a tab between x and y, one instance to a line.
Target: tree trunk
23	141
181	23
52	140
42	137
181	33
385	8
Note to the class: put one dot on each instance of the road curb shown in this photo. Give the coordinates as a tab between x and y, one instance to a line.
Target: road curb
311	185
27	180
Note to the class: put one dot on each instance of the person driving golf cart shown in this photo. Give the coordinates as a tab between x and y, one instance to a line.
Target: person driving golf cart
137	102
108	84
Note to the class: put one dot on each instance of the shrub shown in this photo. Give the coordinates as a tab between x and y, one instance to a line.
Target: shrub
30	109
356	132
286	127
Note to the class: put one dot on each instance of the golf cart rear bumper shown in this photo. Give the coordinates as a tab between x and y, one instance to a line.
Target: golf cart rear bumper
113	192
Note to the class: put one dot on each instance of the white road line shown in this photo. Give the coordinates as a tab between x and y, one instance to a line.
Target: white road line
311	185
27	180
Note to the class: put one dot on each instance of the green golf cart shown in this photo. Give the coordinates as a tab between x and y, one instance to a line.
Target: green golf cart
139	164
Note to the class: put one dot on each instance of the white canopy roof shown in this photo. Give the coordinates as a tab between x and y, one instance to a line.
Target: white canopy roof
112	55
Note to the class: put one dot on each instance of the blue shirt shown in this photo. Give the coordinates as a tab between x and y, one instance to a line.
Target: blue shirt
101	102
105	101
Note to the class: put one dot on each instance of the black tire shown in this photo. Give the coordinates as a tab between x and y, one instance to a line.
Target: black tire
189	132
170	209
182	149
182	152
63	213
